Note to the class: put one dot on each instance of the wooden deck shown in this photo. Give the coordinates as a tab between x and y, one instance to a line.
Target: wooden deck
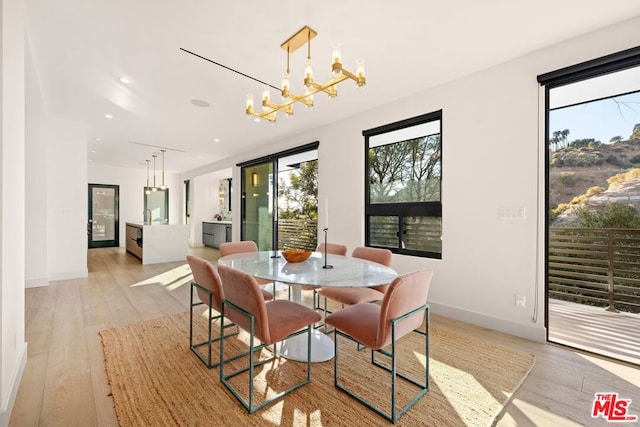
596	330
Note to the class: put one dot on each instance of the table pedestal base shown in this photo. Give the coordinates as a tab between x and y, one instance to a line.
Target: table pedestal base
295	348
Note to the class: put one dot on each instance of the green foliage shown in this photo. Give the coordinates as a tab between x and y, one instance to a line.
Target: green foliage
568	178
635	160
576	157
586	142
559	139
636	132
615	139
617	161
611	215
299	198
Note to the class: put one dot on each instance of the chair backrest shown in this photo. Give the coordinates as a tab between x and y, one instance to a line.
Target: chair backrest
242	289
378	255
229	248
205	275
333	248
406	293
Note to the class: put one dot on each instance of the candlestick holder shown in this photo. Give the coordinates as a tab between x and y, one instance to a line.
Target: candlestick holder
326	266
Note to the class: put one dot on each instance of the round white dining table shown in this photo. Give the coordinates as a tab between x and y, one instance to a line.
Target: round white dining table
346	272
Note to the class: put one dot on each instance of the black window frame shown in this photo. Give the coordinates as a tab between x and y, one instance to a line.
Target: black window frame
402	210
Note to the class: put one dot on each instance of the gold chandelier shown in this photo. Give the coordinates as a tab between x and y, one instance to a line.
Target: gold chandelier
338	74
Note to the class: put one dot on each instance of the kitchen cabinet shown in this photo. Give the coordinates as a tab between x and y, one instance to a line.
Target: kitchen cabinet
214	233
134	240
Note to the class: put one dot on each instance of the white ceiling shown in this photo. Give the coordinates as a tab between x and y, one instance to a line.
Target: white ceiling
81	48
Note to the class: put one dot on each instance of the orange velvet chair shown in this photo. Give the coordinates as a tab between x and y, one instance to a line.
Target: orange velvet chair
378	326
269	323
230	248
208	286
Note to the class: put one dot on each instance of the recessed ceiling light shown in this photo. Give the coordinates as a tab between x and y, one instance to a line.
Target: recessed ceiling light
98	139
216	139
199	103
93	151
108	116
125	80
90	160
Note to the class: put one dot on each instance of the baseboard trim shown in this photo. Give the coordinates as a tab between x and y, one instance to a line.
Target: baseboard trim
533	332
7	406
36	283
66	275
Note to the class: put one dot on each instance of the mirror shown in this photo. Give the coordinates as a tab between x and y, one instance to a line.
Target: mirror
156	205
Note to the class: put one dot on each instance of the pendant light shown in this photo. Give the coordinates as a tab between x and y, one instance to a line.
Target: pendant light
163	186
146	189
154	173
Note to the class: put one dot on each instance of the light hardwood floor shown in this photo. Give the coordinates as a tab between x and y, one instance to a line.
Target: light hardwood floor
64	383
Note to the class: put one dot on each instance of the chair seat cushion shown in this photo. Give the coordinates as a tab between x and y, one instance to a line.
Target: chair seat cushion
358	321
268	296
351	296
286	317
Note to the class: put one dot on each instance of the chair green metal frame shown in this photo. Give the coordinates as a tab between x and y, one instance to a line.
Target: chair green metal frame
249	404
394	414
206	359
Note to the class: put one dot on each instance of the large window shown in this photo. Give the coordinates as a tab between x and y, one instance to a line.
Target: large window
403	186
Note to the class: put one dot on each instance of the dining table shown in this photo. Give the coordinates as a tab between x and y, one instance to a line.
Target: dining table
320	270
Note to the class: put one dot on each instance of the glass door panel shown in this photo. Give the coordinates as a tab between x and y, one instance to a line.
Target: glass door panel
258	205
103	225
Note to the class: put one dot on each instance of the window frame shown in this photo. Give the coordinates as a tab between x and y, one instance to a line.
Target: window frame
407	209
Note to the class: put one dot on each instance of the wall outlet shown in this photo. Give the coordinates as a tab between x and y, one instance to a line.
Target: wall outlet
520	301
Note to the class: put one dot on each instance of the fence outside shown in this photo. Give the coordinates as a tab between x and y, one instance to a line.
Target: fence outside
297	234
595	266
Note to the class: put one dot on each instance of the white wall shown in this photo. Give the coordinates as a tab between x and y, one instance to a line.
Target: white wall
36	134
131	184
492	158
66	211
13	348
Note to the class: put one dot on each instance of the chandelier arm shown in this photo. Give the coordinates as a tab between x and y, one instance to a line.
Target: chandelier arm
300	98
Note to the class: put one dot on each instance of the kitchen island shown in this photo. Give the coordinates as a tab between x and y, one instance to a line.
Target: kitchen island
157	243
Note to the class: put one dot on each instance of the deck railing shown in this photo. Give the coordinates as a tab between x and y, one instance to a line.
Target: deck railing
297	234
596	266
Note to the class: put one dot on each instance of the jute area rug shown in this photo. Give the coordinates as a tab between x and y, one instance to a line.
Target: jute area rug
156	380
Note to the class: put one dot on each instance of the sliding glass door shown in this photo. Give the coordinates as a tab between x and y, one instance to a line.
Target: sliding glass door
272	188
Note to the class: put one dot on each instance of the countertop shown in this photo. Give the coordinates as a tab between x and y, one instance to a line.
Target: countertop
218	222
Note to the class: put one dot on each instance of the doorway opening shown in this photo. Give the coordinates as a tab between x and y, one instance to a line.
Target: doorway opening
593	206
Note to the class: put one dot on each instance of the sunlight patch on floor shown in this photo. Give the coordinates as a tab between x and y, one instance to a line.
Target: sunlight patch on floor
171	279
464	383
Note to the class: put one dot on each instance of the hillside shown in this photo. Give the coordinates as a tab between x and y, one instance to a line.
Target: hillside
576	170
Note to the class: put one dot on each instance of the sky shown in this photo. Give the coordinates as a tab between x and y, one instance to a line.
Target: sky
600	120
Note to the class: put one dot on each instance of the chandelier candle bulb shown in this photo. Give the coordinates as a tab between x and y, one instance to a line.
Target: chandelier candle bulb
308	75
249	105
285	87
266	98
336	60
361	79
